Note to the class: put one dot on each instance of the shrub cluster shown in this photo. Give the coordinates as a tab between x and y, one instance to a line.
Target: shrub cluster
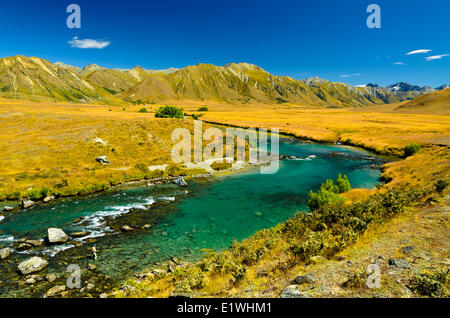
329	192
432	284
411	149
169	112
221	165
335	225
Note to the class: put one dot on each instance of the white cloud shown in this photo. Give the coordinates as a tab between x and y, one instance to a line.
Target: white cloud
418	52
436	57
88	43
398	63
350	75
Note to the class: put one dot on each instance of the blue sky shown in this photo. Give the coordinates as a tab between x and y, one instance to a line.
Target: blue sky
326	38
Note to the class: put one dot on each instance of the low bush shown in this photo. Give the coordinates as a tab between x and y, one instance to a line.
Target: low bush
356	279
329	192
432	284
169	112
203	109
221	165
411	149
441	185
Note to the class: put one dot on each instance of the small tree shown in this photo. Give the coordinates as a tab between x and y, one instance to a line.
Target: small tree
441	185
322	197
203	109
343	183
411	149
329	192
169	112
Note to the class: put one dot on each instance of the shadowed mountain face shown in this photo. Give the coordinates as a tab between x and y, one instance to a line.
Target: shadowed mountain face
37	79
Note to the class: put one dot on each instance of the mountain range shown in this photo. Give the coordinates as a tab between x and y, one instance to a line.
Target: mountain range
37	79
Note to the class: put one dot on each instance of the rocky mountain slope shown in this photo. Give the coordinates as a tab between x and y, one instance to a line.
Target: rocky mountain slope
37	79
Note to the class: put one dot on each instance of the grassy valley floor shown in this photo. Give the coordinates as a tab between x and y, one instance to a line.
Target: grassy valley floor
51	149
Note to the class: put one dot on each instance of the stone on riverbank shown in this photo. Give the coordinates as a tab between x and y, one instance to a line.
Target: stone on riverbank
5	252
305	279
27	203
34	264
399	263
180	182
48	199
57	236
292	291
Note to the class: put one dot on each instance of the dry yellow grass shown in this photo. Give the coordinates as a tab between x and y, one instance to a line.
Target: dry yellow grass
49	146
378	128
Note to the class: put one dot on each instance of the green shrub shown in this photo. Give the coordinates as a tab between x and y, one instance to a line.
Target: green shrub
322	197
188	279
143	110
203	109
356	279
343	183
169	112
221	165
329	192
441	185
142	167
329	186
411	149
432	284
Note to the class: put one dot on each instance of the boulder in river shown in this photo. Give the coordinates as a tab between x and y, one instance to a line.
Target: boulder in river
8	208
79	234
51	277
126	228
181	182
34	264
103	160
56	290
35	243
5	252
57	236
27	203
24	246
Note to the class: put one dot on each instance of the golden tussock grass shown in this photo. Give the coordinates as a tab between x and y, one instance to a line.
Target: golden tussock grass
51	148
